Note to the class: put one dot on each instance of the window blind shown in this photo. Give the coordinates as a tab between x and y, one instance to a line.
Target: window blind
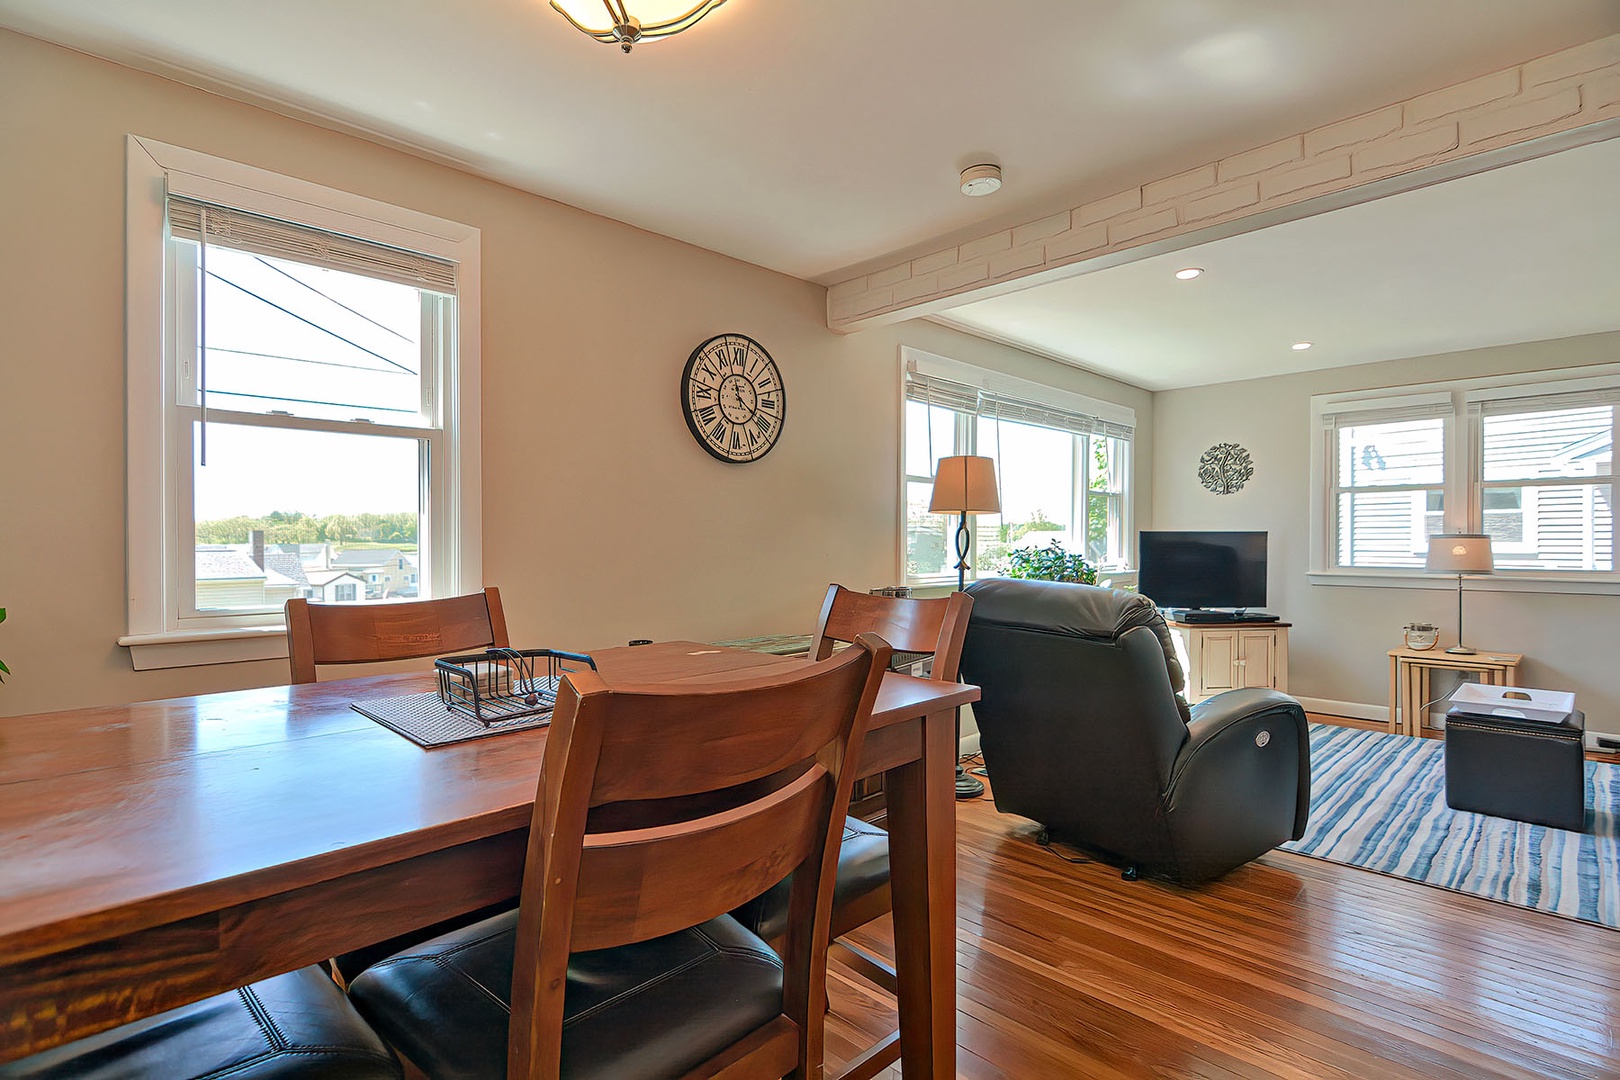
245	231
1356	412
977	401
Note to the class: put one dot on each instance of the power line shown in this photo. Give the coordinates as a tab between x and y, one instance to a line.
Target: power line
300	360
327	296
308	322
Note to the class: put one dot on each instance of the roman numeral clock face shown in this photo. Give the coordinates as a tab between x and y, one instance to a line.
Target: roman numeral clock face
732	395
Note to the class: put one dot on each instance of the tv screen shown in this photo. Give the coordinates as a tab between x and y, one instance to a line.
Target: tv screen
1202	569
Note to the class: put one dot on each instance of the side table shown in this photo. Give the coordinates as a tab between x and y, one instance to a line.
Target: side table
1409	679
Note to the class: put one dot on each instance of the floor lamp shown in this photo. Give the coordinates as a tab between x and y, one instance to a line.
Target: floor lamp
1460	553
963	486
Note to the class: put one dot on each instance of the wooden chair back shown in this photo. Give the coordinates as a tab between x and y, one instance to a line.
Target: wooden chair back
368	633
662	806
936	626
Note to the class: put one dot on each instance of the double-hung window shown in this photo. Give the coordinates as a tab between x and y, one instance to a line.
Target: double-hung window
303	402
1527	460
1062	468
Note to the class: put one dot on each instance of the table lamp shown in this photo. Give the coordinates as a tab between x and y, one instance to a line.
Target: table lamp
964	485
1460	553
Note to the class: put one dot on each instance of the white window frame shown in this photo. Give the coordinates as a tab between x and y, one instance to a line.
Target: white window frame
964	435
157	635
1464	484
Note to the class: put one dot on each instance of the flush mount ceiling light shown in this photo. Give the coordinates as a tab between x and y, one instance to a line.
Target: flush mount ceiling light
1300	346
611	21
981	179
1189	273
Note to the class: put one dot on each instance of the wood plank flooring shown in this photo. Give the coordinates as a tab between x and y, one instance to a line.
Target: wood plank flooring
1289	967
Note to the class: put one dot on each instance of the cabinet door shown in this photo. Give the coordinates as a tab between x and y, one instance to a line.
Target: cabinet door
1218	658
1257	659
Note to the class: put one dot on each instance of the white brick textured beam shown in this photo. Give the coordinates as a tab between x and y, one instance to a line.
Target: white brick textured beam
1544	96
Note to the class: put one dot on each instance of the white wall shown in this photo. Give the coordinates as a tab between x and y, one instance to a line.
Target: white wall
604	520
1341	634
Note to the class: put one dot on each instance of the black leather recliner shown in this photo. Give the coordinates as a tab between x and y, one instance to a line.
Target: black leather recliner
1084	729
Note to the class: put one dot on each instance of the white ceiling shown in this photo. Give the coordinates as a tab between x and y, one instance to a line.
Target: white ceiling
1527	252
824	137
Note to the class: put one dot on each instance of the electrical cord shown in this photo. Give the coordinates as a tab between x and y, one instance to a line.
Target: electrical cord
1044	839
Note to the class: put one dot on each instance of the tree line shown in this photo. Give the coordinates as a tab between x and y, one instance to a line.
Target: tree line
294	527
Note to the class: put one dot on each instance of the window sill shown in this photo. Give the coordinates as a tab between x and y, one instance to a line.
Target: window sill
151	652
1508	583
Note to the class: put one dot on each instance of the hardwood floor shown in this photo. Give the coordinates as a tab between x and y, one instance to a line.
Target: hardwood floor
1289	967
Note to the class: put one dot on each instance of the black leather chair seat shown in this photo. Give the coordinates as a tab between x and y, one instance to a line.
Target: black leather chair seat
296	1026
446	1003
863	867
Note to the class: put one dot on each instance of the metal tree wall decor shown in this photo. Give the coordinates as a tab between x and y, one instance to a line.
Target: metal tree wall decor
1225	468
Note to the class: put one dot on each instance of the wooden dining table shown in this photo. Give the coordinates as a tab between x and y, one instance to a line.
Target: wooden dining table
156	853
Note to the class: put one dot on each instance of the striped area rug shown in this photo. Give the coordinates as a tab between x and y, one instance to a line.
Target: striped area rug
1379	801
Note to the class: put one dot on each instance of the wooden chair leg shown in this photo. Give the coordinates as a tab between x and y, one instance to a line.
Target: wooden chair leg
869	967
877	1058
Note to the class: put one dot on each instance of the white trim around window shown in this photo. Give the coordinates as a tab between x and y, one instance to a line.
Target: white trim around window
162	629
1462	403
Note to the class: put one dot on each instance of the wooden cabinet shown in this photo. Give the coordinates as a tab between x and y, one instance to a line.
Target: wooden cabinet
1231	656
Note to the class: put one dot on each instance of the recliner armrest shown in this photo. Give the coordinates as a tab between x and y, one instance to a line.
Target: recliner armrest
1213	717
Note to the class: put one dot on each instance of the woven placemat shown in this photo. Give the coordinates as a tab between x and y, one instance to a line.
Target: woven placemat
427	721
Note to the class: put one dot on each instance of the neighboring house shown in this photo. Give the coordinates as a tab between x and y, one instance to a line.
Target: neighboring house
387	572
335	587
229	578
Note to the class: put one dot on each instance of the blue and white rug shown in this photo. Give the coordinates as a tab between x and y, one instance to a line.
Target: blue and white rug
1379	801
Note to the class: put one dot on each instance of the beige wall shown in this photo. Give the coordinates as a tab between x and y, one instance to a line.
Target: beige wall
1341	634
603	519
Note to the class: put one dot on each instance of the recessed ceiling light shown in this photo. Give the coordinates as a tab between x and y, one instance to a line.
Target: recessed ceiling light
981	179
1301	346
1189	273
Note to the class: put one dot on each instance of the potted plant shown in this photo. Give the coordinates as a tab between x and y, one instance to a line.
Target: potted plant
4	671
1050	563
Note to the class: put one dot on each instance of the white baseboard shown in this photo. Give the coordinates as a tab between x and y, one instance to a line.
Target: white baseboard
1353	709
969	744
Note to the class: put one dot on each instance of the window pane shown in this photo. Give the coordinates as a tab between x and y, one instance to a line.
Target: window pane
1553	442
1563	527
1397	452
288	337
919	416
1105	522
334	511
1387	528
1037	492
929	537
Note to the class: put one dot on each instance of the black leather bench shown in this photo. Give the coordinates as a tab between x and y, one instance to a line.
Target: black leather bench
1527	770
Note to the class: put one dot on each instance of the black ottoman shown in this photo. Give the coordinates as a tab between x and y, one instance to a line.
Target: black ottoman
1527	770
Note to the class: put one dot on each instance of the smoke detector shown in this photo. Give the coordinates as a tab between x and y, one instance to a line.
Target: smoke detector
981	179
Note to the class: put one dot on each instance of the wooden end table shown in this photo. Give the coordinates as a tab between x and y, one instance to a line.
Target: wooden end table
1409	679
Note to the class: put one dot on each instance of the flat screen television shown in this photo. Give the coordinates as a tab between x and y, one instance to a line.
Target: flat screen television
1202	569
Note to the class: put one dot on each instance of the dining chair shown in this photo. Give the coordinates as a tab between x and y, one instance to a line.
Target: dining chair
319	634
296	1026
368	633
934	627
660	807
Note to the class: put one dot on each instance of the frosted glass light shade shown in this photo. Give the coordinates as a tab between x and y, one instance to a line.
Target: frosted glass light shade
627	22
1460	553
965	485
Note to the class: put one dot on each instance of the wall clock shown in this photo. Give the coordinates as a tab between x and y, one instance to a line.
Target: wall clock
1225	468
732	395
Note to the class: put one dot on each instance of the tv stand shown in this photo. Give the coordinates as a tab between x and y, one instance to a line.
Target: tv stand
1231	654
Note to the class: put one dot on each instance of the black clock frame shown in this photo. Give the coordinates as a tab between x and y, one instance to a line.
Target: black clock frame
753	351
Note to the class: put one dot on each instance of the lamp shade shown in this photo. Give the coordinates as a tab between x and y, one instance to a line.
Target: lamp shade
1460	553
965	485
